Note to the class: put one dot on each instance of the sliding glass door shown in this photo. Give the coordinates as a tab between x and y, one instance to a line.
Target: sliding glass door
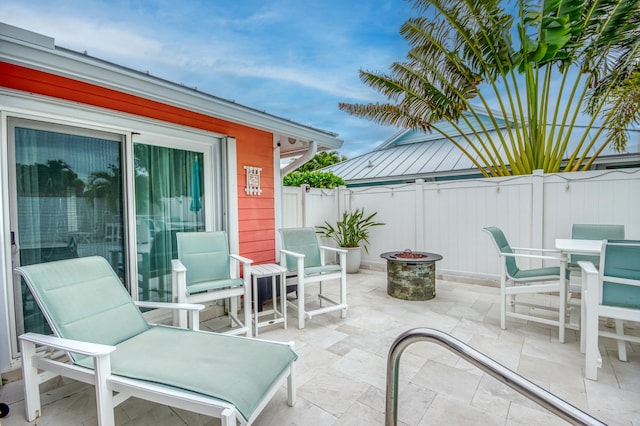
78	192
67	202
170	198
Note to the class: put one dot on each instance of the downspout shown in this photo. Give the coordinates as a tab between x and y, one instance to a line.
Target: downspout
308	155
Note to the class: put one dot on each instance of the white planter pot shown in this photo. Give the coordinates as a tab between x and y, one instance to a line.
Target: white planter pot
354	256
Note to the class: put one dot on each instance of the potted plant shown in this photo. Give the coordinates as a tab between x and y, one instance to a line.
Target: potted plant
351	233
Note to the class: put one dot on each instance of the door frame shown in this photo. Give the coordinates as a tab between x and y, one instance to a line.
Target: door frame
56	112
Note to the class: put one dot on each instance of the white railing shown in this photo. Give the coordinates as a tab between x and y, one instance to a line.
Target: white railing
447	217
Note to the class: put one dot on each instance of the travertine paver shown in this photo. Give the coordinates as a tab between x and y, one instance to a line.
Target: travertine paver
341	370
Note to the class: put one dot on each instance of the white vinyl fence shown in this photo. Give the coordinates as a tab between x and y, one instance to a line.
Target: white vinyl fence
447	217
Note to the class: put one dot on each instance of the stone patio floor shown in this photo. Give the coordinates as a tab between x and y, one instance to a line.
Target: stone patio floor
341	369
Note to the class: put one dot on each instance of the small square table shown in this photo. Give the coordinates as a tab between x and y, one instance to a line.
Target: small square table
279	316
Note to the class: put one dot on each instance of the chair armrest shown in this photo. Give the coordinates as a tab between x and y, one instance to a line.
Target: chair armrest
588	267
68	345
334	249
292	253
241	259
536	249
166	305
534	256
177	266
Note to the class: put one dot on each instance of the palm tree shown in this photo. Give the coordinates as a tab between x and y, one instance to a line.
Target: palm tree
569	57
321	160
106	184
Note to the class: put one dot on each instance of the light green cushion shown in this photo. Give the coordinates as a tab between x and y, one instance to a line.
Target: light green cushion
580	231
103	312
321	269
552	271
235	369
503	247
303	241
214	285
206	257
622	260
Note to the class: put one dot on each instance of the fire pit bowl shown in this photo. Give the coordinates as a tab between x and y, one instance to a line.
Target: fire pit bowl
411	275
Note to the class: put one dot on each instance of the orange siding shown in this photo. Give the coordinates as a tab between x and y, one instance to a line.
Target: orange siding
254	147
256	213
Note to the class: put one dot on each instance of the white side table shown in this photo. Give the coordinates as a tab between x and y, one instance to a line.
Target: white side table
279	316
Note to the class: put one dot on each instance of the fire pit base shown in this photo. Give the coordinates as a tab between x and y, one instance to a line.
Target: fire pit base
411	275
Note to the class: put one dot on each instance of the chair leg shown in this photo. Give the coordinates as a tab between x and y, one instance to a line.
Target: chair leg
562	307
622	345
591	328
247	314
104	395
503	302
291	386
343	292
300	302
228	417
30	379
233	309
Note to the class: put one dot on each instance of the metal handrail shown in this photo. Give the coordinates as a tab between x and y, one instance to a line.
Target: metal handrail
530	390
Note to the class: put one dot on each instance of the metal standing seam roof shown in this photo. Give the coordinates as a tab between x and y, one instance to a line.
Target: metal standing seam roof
411	154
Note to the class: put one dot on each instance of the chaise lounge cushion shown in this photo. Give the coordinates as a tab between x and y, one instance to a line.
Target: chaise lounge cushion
234	369
84	300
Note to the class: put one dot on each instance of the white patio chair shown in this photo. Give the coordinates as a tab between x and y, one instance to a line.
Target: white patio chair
528	281
112	346
206	272
303	256
586	231
613	292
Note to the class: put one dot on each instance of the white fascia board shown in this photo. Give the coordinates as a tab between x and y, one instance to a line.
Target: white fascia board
92	70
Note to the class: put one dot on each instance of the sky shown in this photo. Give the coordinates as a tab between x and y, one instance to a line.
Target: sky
291	58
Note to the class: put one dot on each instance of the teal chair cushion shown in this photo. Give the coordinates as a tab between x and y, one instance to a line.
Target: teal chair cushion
304	241
580	231
214	285
504	247
552	271
321	269
235	369
621	260
205	255
105	314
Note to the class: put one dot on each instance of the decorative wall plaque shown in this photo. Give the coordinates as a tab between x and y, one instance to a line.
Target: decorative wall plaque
253	180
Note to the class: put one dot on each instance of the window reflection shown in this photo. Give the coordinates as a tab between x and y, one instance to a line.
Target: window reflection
169	199
69	204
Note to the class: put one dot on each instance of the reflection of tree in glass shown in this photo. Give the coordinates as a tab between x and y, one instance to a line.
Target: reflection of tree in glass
141	180
53	179
107	185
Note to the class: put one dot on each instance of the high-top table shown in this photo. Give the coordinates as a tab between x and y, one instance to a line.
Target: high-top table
571	246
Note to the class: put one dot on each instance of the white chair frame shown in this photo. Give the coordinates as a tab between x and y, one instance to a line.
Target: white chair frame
112	390
301	279
593	309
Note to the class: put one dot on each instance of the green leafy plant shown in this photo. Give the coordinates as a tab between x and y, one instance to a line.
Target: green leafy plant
314	179
352	230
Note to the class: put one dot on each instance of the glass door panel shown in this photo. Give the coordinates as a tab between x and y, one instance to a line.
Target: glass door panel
169	188
67	203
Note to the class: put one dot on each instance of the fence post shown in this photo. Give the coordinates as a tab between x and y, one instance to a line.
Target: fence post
537	210
420	216
304	190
